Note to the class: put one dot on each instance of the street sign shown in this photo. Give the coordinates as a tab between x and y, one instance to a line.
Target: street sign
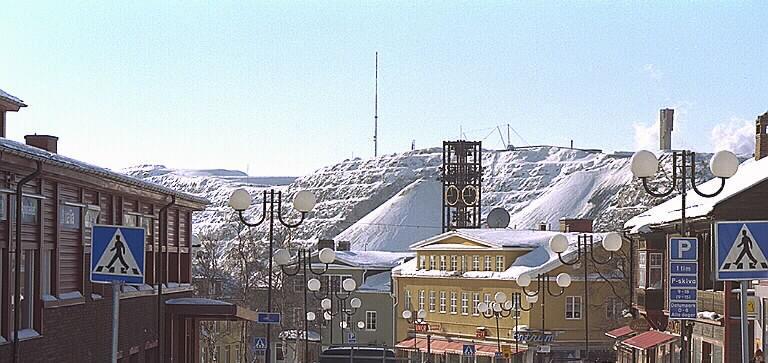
506	349
351	338
543	349
498	355
260	343
683	277
469	350
268	318
117	254
740	250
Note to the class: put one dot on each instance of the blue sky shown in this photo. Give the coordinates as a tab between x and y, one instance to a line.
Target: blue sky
283	88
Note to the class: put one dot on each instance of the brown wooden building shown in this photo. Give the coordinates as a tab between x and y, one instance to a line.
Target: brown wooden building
63	316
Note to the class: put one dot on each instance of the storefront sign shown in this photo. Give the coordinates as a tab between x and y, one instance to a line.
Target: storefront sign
536	337
422	328
481	333
639	325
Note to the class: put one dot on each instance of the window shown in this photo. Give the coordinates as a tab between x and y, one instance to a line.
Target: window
92	215
442	302
655	263
487	299
475	263
298	284
499	263
442	263
408	300
641	269
463	263
613	307
69	217
130	220
29	207
238	357
454	264
421	299
573	307
432	262
422	262
464	303
217	354
279	354
227	352
149	227
431	301
340	287
370	320
453	302
488	263
475	302
3	207
27	287
298	316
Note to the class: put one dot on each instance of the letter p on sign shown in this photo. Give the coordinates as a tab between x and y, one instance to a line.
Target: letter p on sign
683	249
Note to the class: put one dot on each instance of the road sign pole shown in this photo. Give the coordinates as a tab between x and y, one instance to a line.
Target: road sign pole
745	344
115	317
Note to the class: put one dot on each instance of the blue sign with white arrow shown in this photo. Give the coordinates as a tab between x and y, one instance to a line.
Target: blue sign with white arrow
117	254
741	247
268	318
683	277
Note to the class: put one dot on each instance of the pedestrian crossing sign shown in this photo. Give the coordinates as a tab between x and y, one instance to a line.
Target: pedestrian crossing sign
741	247
117	254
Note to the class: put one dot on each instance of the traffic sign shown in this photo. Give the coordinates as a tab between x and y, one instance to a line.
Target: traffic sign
351	338
506	349
469	350
260	343
683	277
117	254
740	250
268	318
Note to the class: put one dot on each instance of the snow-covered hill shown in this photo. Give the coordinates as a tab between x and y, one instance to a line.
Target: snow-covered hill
389	202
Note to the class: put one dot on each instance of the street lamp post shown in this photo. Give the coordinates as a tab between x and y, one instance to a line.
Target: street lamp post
419	319
543	289
303	202
303	265
584	252
723	165
347	286
500	307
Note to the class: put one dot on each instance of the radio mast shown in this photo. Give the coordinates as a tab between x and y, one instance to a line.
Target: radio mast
376	110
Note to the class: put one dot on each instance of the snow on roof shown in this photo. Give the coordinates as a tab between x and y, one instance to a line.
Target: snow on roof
293	334
750	173
380	259
411	215
195	301
44	156
381	282
12	99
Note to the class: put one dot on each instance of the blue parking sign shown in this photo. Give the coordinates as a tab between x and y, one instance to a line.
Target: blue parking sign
683	255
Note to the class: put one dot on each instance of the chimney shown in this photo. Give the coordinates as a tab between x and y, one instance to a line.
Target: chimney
45	142
582	225
342	246
325	243
666	120
543	226
761	137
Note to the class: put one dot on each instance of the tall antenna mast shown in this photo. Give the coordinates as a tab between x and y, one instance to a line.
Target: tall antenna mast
376	110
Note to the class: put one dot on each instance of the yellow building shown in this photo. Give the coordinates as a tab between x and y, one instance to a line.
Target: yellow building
455	271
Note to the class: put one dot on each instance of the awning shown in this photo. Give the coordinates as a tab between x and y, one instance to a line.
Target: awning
208	309
441	346
620	332
649	339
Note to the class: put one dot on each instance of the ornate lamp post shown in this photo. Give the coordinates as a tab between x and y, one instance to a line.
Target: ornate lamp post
584	251
303	202
348	285
500	307
303	264
543	289
419	319
723	165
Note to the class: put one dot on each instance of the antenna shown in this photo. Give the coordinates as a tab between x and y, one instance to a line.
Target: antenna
376	110
413	144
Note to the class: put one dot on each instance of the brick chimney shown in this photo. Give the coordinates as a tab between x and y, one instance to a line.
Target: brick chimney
45	142
761	136
582	225
342	245
326	243
666	122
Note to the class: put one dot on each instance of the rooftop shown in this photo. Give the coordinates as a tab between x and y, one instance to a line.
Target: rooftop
373	259
11	99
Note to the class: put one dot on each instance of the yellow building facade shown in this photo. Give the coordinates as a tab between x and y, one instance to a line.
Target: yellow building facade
455	271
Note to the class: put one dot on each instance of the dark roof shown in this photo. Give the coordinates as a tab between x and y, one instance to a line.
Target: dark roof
7	97
649	339
46	157
620	332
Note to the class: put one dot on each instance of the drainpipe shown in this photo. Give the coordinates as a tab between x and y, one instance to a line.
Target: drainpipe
159	273
17	262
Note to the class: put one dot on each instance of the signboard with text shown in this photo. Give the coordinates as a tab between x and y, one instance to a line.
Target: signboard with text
683	277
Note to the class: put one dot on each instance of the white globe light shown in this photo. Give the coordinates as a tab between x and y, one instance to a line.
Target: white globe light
558	243
240	200
311	316
532	299
360	325
500	297
421	314
482	307
325	304
407	314
612	242
497	308
349	285
509	304
355	303
327	316
724	164
563	280
343	324
327	255
523	280
644	164
313	285
304	201
282	257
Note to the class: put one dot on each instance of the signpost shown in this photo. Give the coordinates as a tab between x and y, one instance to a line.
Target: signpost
268	318
683	277
740	250
117	257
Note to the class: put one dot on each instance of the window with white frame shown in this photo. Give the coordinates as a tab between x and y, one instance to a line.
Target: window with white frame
69	217
370	320
487	299
613	307
408	300
453	302
431	301
475	302
499	263
464	303
475	263
432	262
655	268
422	262
573	307
454	263
463	263
421	299
488	263
279	354
29	210
442	302
298	284
641	269
442	263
